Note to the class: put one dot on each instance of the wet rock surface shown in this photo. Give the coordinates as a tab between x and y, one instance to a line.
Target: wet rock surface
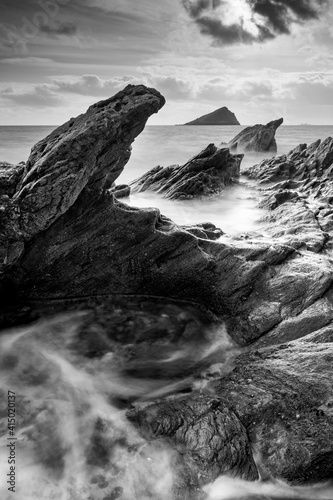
68	244
256	138
205	174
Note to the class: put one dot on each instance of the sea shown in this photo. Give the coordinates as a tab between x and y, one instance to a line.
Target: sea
234	211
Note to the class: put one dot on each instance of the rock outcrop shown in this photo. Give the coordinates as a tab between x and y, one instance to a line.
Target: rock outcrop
221	116
65	240
82	157
256	138
205	174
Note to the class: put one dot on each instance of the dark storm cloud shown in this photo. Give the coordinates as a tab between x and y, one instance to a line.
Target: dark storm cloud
59	29
269	17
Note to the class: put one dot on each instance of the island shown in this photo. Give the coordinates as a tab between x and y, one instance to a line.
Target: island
221	116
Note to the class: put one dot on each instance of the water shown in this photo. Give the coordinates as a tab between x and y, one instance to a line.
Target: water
234	211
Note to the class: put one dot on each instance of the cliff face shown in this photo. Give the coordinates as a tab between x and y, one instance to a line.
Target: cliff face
221	116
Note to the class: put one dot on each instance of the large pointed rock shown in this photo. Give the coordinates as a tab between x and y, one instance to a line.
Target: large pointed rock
256	138
86	153
206	174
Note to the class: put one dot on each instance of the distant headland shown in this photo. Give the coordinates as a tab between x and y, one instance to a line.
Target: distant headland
221	116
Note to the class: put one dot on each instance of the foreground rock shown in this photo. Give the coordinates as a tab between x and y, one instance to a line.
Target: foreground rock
85	155
87	243
65	239
221	116
205	174
256	138
281	396
194	411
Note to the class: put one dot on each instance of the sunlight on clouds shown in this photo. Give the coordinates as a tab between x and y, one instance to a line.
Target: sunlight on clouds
238	11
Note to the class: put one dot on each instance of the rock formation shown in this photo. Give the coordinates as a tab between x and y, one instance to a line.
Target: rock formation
203	175
256	138
221	116
67	242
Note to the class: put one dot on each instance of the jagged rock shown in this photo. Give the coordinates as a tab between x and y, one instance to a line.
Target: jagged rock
256	138
300	201
209	438
203	175
283	396
85	154
221	116
64	236
10	176
102	246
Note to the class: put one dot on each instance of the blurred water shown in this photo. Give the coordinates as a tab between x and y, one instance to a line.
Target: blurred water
234	211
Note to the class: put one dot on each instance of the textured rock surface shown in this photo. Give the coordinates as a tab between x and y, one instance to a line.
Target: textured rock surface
85	154
283	396
256	138
65	239
221	116
209	438
203	175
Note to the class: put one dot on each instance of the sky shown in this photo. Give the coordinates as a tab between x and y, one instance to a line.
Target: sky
263	59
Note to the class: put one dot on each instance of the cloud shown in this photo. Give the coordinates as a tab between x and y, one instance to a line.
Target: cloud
315	89
230	22
59	29
92	85
39	96
11	40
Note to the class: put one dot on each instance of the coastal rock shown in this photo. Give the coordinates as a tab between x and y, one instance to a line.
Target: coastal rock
209	438
66	240
101	246
256	138
283	397
121	191
10	176
205	174
85	154
221	116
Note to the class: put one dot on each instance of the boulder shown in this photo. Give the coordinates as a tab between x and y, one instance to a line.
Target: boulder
205	174
256	138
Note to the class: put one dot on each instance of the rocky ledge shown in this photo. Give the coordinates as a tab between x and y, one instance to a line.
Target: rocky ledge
66	241
206	174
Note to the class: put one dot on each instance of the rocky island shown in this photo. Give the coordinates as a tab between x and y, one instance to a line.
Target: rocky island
176	358
221	116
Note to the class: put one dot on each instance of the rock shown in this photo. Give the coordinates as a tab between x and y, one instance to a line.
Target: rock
121	191
209	438
10	176
83	155
205	174
68	243
221	116
256	138
280	394
205	230
101	246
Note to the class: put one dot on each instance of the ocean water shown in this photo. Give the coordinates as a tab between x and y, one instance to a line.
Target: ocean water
234	211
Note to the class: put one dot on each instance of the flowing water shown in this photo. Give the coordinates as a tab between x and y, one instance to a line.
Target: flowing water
234	211
73	439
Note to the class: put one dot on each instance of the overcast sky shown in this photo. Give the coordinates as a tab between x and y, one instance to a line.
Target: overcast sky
261	58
